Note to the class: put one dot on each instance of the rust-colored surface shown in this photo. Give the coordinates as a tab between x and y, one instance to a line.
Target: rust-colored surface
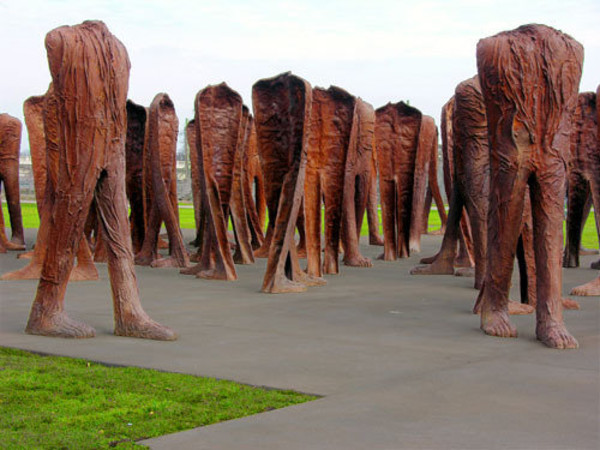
90	74
373	204
198	194
521	74
425	184
10	145
330	126
254	189
237	203
397	129
358	176
134	176
470	181
592	287
42	126
160	170
282	108
218	122
583	175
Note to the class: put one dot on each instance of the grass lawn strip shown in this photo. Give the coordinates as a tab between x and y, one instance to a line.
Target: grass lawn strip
59	402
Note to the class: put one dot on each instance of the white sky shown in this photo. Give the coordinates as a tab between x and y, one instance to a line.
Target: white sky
380	50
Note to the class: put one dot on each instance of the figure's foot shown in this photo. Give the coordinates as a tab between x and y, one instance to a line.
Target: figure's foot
195	257
59	325
357	261
465	272
519	309
587	251
162	243
463	261
26	255
145	328
387	256
192	270
414	247
283	285
595	265
437	268
438	232
376	240
169	261
262	252
570	304
143	259
497	323
84	272
310	280
214	274
330	264
14	246
428	259
591	288
32	271
570	260
555	335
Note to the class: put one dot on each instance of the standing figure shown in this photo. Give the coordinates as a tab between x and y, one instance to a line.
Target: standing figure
397	129
330	127
357	182
10	144
160	200
90	75
218	122
592	287
583	176
282	107
529	78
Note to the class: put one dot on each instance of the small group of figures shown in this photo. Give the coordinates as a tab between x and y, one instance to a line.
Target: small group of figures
505	137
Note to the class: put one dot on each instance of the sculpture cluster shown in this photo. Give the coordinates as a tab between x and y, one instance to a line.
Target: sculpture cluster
505	143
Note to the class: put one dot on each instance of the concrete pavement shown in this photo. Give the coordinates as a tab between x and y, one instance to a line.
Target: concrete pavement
399	359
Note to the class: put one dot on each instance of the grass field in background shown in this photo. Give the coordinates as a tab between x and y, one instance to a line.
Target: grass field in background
589	238
56	402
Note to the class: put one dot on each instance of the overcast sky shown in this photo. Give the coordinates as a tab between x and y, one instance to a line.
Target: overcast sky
379	50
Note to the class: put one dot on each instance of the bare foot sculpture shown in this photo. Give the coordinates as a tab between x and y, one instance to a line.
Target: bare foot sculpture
397	129
10	145
90	102
330	127
583	176
218	122
134	177
159	166
357	182
528	147
282	108
41	119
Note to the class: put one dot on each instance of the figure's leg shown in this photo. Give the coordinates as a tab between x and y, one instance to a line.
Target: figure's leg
547	196
354	203
389	218
65	229
443	263
5	243
476	204
130	318
465	244
256	231
333	192
11	190
577	196
261	201
312	213
372	211
272	201
148	253
301	226
594	186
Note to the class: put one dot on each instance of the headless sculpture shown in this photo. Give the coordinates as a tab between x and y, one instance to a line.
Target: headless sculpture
330	127
218	122
282	107
42	125
10	144
583	176
592	287
425	182
90	73
357	182
160	200
397	129
528	128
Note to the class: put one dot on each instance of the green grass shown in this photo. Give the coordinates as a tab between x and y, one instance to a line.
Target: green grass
589	238
57	402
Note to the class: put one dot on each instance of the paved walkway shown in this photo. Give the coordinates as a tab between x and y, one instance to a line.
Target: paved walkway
399	359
